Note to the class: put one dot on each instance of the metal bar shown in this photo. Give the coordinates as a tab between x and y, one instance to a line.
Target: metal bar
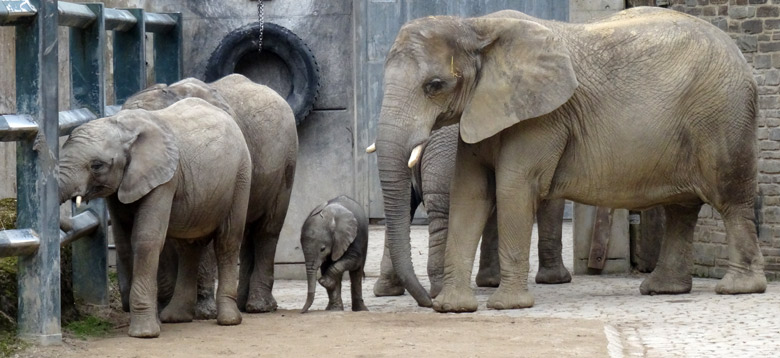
168	53
112	110
90	255
18	242
119	20
130	59
69	120
16	127
16	12
83	224
74	15
36	168
160	23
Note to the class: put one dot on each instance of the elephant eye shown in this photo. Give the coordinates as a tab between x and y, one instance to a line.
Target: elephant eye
322	249
433	86
96	165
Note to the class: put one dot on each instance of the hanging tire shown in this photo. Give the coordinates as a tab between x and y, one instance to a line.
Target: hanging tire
300	61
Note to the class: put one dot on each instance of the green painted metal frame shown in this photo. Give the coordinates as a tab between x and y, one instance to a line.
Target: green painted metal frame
87	70
36	170
37	128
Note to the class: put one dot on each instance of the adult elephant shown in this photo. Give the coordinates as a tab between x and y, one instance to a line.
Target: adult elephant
165	178
431	178
617	113
268	125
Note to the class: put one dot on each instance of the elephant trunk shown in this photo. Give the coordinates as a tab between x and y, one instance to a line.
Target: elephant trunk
395	177
311	276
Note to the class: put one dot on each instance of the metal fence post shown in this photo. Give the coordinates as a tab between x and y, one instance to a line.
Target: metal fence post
168	53
38	199
87	68
130	58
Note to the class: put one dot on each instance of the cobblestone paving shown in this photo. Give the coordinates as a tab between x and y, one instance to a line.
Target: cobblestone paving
699	324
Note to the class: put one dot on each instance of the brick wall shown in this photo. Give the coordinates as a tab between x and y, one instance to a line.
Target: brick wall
755	26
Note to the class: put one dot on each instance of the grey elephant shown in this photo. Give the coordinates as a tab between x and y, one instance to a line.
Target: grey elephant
268	126
648	107
334	239
165	178
430	185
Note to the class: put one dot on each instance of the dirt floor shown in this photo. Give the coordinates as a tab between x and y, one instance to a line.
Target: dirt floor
349	334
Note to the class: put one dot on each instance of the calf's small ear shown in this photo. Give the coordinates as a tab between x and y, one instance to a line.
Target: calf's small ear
343	225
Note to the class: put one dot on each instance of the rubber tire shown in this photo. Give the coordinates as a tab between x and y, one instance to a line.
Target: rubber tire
284	43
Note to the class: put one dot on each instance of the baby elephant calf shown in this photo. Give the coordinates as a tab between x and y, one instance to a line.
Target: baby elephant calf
334	239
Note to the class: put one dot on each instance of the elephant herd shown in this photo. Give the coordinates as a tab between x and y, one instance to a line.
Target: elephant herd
491	122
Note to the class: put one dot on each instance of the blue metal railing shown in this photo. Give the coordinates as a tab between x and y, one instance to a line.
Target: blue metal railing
39	123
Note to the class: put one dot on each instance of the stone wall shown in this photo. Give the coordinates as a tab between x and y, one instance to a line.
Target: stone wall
755	26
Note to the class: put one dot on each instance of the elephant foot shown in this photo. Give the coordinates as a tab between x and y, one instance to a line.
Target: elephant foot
144	326
388	287
507	299
553	275
661	282
488	278
261	303
176	313
206	308
335	306
455	299
735	282
227	313
358	305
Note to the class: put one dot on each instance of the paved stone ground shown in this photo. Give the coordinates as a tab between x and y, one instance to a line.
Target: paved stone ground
699	324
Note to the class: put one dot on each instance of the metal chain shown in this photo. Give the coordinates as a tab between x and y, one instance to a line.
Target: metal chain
260	16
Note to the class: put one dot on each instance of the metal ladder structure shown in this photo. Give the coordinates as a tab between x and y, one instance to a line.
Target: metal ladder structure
38	125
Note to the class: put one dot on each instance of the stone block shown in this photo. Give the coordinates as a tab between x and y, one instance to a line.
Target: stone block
769	46
709	11
756	2
772	77
762	61
772	24
768	11
752	26
741	12
747	43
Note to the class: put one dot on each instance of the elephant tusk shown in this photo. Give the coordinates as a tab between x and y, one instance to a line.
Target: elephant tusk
415	157
78	201
371	148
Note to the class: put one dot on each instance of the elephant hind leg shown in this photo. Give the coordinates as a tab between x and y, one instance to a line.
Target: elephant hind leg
247	265
356	288
672	273
260	280
549	217
206	306
746	262
489	274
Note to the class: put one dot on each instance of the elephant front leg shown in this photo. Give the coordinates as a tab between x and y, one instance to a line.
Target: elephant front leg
515	207
672	273
148	236
471	199
182	305
124	261
549	218
437	206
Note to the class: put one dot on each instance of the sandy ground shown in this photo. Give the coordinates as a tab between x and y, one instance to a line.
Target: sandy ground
594	316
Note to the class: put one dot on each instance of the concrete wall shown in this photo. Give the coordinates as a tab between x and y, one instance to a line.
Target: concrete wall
325	164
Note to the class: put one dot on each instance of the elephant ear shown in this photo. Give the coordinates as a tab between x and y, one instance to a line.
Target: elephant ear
152	154
526	72
343	225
